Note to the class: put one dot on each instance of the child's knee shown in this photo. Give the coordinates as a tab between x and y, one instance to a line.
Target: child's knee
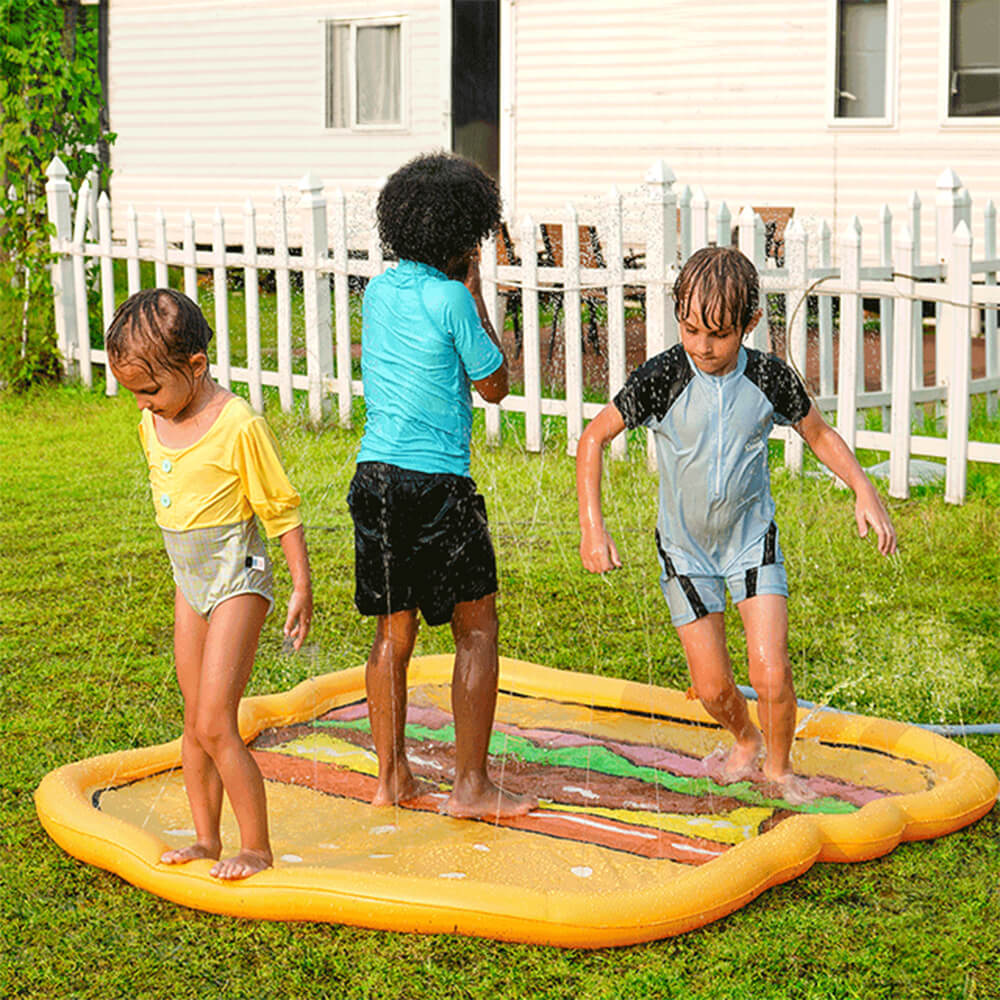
772	679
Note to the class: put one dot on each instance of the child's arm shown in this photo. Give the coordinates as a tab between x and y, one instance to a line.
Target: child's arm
597	550
829	447
300	604
494	387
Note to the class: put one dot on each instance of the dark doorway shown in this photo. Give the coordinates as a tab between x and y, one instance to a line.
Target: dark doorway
475	82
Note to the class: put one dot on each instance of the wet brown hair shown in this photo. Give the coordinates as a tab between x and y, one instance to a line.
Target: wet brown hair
156	329
727	284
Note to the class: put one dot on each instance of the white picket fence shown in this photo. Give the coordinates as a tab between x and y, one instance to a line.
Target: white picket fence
666	225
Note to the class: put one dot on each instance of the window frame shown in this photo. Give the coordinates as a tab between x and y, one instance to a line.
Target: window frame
888	120
354	23
945	117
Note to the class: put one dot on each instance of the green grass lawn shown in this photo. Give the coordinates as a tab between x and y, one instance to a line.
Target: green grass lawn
85	668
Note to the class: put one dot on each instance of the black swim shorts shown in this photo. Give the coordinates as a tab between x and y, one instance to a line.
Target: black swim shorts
421	540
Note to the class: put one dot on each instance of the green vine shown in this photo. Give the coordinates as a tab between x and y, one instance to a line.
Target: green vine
50	105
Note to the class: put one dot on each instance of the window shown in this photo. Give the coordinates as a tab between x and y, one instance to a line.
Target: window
974	70
862	36
364	74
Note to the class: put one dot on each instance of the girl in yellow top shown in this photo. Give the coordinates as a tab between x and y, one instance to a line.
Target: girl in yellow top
214	470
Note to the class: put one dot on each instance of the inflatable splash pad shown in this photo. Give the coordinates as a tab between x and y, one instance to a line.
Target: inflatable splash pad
631	841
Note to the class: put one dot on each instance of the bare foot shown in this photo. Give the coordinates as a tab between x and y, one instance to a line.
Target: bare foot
487	802
245	864
390	793
193	852
738	764
790	788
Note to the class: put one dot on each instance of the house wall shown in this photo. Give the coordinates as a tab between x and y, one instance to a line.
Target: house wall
217	102
738	103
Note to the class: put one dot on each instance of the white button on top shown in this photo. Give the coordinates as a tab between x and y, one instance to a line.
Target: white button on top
166	465
165	500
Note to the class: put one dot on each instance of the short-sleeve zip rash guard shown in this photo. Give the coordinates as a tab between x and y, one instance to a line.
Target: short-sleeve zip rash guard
711	435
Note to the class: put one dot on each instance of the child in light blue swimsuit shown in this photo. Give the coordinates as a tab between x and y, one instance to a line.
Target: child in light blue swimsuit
711	404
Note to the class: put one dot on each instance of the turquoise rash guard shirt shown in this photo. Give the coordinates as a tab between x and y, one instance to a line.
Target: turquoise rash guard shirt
711	433
421	344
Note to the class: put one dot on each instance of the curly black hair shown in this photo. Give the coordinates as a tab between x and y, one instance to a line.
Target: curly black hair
436	209
727	283
157	328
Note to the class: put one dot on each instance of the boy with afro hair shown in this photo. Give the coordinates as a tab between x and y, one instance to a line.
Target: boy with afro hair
422	542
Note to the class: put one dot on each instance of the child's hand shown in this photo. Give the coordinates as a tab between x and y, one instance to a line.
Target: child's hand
598	552
472	280
868	510
299	617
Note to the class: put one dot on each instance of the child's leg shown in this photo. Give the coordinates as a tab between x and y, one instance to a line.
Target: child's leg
765	618
385	682
473	699
201	779
704	642
230	646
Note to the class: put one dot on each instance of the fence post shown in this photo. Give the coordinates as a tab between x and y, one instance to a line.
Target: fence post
850	329
107	280
950	207
316	293
491	296
824	308
80	284
797	262
902	381
530	353
57	192
341	306
661	259
960	307
990	312
573	330
132	269
283	301
220	291
251	297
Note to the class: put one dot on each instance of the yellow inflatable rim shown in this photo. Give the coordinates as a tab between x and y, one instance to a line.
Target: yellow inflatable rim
966	790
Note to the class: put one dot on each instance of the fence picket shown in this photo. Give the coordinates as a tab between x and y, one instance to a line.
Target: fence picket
990	314
616	307
902	383
190	269
316	294
160	278
531	343
850	333
107	280
82	345
220	291
825	315
283	300
251	299
960	308
797	262
341	306
573	330
58	194
491	297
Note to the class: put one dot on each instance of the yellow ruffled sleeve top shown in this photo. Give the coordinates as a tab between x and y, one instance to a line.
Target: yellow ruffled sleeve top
231	473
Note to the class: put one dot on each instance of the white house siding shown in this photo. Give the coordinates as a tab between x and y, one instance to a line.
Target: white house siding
735	97
217	102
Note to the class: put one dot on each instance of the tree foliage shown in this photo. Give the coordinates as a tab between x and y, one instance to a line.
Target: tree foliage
50	105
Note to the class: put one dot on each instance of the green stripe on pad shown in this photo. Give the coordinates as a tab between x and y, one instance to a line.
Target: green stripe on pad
605	761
